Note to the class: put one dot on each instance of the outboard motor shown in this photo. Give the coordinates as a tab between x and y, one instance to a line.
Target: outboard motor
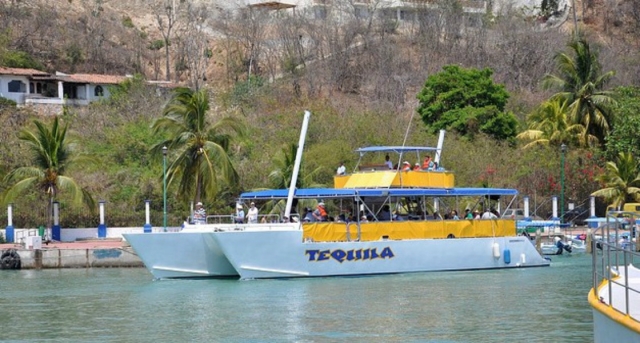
562	246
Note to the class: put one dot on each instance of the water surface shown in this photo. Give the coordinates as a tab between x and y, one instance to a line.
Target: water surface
126	305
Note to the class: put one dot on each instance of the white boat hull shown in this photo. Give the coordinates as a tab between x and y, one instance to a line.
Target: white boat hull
282	253
616	318
180	254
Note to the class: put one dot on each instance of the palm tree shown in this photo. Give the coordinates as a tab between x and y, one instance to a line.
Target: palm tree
53	155
549	125
281	176
200	150
580	83
621	180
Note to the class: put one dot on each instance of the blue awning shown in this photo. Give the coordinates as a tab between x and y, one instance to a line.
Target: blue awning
393	192
395	149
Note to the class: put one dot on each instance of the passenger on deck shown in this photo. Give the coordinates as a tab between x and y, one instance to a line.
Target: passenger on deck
387	162
385	214
454	215
308	215
342	170
364	219
252	215
427	162
417	167
468	214
239	219
488	215
199	215
476	214
320	214
406	166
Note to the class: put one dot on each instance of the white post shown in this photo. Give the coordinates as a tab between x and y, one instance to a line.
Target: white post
60	90
555	208
10	215
56	213
592	206
147	217
526	208
102	228
147	214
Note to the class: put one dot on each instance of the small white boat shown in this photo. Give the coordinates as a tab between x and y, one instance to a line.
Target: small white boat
615	296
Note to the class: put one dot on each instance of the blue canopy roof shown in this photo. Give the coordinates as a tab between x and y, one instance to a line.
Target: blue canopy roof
395	149
395	192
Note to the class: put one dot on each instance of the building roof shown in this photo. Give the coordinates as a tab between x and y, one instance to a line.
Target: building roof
272	5
21	71
95	78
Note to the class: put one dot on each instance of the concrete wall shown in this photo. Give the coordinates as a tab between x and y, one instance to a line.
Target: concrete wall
78	258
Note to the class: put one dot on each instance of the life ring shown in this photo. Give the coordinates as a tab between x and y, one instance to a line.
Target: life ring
10	259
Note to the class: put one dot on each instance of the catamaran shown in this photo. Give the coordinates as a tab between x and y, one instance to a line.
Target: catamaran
388	221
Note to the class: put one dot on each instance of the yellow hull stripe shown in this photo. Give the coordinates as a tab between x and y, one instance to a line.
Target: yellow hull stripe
612	313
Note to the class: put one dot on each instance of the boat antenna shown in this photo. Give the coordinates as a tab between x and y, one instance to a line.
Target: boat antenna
404	143
296	166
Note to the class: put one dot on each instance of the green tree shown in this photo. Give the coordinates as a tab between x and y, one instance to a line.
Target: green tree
624	134
621	180
468	101
549	125
284	163
53	155
581	83
199	150
280	177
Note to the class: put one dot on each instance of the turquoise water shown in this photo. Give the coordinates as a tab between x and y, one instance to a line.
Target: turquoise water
126	305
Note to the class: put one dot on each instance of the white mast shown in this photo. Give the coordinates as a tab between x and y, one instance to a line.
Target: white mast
296	167
439	147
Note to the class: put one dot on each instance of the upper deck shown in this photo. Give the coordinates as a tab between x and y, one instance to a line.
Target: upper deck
395	179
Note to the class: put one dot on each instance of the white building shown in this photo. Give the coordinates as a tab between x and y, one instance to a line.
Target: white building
30	87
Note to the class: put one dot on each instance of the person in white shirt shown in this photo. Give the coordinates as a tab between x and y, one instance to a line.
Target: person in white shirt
387	162
488	215
239	214
199	215
342	169
252	215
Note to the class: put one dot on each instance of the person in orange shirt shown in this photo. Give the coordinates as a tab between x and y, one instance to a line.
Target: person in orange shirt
426	163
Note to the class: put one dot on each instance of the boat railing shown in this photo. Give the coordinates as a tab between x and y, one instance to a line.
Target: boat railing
230	218
617	253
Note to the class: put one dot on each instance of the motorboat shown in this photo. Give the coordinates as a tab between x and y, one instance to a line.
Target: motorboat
615	295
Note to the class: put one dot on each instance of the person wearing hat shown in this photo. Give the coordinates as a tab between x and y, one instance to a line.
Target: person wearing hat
406	166
252	215
199	215
417	167
239	214
320	214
